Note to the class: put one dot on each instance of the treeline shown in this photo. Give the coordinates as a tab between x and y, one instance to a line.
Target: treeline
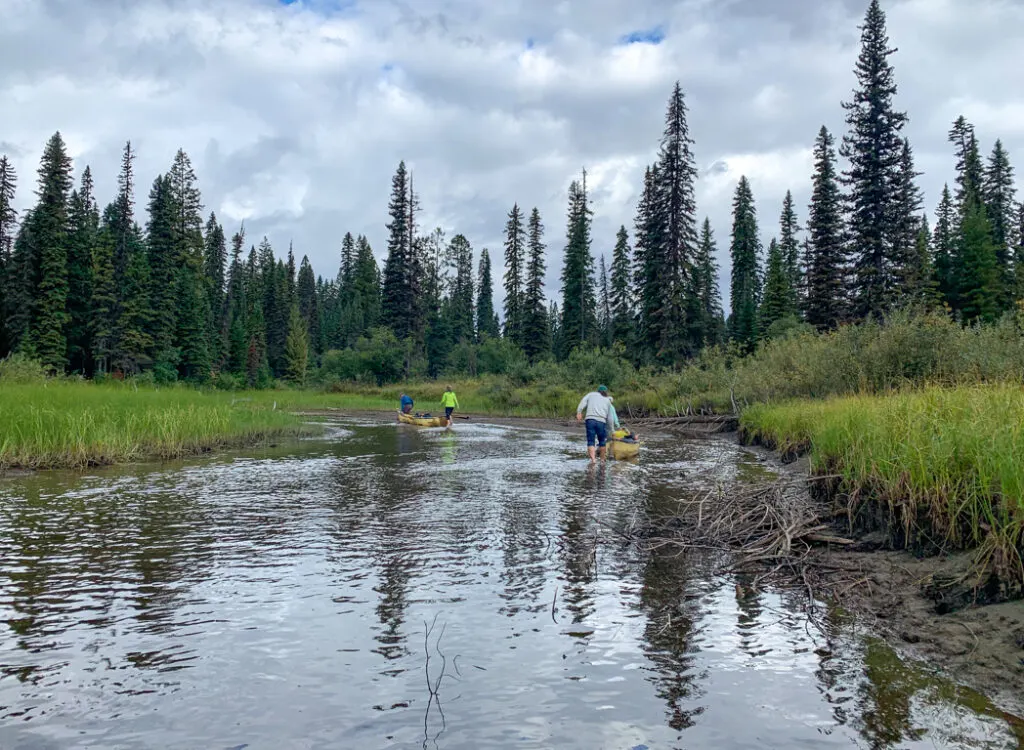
93	292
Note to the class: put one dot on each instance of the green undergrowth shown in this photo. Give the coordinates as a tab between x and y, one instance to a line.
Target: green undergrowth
940	469
68	424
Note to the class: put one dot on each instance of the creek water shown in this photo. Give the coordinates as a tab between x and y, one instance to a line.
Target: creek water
387	586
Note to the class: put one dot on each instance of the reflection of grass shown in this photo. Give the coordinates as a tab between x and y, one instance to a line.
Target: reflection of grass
942	463
69	424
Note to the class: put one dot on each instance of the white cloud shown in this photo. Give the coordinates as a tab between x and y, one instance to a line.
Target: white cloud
296	116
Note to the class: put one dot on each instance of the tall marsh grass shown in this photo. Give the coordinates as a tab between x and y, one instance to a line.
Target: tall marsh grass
942	468
72	424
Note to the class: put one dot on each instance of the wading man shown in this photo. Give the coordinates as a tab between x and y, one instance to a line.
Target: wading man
595	405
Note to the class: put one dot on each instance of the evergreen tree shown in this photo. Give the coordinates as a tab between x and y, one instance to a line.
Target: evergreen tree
676	208
969	176
746	283
367	285
998	192
84	218
487	320
297	347
515	255
873	148
789	246
922	283
778	302
348	263
215	261
103	303
460	300
1018	255
706	282
309	311
237	324
399	304
536	325
579	302
944	249
604	308
49	250
826	257
164	263
622	290
978	272
8	225
906	228
649	268
192	340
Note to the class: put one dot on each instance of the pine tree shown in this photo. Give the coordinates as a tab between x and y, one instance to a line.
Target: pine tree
536	325
8	225
746	283
969	175
348	263
706	283
906	228
789	245
399	304
461	295
873	148
1018	255
944	249
579	301
192	339
676	205
515	255
826	257
922	283
978	272
103	303
305	292
297	347
778	301
237	324
164	262
998	192
21	273
604	305
622	290
84	218
50	244
215	261
486	319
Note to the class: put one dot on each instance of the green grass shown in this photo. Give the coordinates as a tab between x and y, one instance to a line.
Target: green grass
69	424
944	465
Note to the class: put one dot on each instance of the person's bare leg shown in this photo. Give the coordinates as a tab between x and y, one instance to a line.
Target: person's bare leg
602	450
591	451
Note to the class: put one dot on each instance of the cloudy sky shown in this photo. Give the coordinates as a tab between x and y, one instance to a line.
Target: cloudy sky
296	114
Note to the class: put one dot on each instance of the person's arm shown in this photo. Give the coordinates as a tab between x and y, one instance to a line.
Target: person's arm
579	409
456	400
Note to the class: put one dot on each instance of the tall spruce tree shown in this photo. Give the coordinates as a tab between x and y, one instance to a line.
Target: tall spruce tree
622	290
604	305
969	174
978	271
49	249
193	326
236	303
536	325
20	292
399	304
164	262
706	282
789	246
515	258
1018	255
215	262
778	301
676	201
486	318
579	299
745	293
944	249
906	228
348	263
824	304
998	193
8	226
649	267
84	219
461	296
873	147
308	304
922	282
103	301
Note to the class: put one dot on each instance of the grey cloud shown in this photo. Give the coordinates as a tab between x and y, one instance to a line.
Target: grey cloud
273	102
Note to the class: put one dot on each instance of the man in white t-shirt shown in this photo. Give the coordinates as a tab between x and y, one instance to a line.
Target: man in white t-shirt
595	404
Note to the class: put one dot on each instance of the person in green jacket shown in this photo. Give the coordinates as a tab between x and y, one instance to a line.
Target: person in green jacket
450	402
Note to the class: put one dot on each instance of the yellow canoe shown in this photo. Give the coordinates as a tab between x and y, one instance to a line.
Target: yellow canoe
618	449
422	421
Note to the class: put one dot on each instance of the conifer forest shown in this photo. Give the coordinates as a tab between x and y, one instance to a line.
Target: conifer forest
148	281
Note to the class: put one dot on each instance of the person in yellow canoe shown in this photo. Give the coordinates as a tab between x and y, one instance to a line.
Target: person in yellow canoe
450	402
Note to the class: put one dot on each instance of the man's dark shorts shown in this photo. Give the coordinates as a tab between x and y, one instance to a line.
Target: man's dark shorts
448	411
597	431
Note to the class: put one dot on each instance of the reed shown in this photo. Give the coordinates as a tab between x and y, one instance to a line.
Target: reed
70	424
942	468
